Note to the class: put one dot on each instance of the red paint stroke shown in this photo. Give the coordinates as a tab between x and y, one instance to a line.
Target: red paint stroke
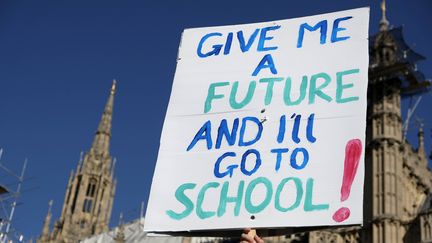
353	152
341	214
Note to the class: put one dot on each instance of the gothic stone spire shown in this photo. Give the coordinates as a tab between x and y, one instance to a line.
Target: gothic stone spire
46	228
90	192
101	141
384	23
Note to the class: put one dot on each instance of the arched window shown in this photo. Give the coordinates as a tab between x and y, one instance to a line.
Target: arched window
87	206
91	188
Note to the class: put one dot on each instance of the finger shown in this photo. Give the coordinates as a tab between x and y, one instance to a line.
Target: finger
252	233
247	238
258	239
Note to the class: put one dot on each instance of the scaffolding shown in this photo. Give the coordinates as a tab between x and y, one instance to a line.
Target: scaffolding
401	72
10	191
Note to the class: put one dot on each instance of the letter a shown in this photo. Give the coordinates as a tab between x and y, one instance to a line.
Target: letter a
266	62
203	134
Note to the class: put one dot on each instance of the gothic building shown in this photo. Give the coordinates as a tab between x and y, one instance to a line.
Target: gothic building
398	183
90	191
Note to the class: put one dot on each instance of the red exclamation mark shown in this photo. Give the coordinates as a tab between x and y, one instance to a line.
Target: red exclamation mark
353	152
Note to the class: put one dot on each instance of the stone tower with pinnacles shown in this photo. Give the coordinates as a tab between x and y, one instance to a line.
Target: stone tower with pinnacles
90	192
398	184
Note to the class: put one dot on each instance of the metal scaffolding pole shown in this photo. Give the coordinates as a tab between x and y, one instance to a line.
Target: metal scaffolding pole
10	198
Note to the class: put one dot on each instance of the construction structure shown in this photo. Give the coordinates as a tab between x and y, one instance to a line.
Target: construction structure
9	196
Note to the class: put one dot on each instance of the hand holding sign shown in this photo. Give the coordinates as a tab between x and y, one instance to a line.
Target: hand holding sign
250	236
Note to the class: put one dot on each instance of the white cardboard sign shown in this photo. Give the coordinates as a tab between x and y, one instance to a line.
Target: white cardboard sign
265	126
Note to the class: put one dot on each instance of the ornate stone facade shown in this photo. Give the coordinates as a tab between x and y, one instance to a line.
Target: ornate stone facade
90	191
398	183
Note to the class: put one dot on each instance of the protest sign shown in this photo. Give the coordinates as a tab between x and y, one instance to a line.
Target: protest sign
265	126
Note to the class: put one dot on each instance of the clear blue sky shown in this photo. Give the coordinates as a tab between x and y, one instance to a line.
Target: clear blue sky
57	60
